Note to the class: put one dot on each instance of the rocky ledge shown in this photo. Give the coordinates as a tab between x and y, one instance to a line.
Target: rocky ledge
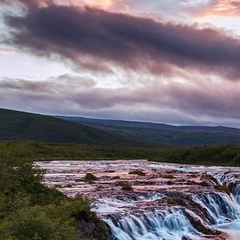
141	188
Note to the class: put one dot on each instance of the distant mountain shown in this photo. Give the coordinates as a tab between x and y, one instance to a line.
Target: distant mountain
15	125
155	134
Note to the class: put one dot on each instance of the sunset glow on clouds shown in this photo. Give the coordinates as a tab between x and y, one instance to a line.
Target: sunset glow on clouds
162	61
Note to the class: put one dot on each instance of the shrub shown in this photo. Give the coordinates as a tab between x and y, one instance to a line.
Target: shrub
30	210
127	186
38	222
137	172
204	184
168	176
222	188
176	201
90	177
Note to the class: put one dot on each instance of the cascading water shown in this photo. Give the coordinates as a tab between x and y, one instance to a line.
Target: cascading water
170	202
170	224
219	207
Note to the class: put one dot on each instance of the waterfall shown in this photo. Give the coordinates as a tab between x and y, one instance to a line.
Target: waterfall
174	223
169	224
171	202
219	207
223	178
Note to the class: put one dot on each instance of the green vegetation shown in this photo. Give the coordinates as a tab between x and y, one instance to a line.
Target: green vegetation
125	185
137	172
228	155
176	201
20	126
204	184
223	188
31	211
51	151
90	177
211	155
120	183
168	176
163	134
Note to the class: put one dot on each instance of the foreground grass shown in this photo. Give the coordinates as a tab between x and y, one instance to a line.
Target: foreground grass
31	211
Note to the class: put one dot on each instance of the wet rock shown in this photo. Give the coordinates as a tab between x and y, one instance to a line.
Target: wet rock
186	238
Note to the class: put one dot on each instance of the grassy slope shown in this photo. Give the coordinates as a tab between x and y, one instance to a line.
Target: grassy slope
16	125
166	134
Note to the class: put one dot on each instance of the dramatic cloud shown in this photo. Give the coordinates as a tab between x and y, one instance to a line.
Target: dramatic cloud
130	42
123	64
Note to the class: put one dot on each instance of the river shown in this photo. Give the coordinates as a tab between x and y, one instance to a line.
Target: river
164	202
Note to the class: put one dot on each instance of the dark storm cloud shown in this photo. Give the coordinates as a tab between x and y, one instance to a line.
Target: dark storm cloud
127	41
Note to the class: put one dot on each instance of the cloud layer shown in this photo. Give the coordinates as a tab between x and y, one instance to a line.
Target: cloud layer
192	103
165	72
94	36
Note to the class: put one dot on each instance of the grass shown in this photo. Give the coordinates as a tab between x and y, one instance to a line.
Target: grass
214	155
62	151
137	172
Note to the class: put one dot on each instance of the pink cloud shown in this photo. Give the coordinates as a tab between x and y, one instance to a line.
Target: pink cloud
8	51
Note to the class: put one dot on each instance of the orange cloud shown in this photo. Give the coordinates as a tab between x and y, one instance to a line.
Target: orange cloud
103	4
106	4
224	8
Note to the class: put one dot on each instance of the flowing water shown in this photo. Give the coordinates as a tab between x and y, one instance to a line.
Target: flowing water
169	202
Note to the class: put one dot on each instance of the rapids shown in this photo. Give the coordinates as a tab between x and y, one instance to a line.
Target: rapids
166	202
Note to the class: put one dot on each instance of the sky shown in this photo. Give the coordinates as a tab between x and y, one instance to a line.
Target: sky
165	61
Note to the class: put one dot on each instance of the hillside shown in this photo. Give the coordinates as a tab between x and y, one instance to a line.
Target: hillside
15	125
165	134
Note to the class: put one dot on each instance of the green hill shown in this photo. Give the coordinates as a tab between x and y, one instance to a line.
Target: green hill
15	125
160	134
